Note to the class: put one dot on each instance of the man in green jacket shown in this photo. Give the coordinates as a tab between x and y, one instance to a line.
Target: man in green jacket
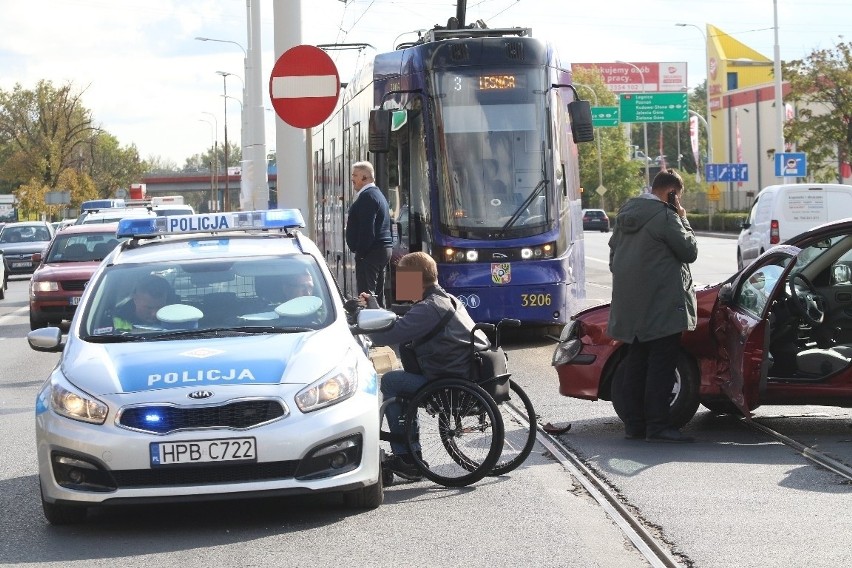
653	302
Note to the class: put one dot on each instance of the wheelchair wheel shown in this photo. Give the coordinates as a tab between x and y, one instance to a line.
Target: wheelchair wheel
519	425
458	429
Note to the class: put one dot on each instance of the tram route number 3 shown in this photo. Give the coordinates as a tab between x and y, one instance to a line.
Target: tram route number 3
535	300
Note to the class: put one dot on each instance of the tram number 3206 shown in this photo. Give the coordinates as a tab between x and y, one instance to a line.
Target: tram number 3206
535	300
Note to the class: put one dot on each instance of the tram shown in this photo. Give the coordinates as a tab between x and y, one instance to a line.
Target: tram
473	134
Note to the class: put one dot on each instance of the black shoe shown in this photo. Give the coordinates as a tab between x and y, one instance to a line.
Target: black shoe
403	466
669	435
628	435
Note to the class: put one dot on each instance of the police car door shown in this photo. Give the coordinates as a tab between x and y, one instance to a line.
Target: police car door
744	320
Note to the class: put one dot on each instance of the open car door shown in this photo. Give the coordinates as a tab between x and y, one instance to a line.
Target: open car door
743	321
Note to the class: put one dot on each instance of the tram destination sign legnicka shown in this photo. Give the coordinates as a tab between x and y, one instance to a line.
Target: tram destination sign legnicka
653	107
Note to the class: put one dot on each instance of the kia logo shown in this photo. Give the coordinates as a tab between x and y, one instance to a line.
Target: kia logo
200	394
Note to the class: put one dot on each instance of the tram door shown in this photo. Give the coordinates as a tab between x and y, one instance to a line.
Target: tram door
402	173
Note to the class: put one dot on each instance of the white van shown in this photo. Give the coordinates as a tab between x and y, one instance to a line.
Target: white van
783	211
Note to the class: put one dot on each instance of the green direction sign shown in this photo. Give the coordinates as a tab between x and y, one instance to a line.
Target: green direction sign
604	116
653	107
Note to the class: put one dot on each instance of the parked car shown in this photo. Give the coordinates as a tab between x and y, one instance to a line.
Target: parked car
595	220
65	269
777	332
780	212
113	214
20	241
4	277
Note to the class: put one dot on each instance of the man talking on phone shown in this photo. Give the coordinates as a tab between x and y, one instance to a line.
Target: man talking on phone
653	302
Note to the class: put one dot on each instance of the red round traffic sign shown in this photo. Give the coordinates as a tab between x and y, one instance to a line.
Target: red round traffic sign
304	86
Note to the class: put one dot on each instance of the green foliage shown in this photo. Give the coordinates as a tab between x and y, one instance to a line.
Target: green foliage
624	178
617	172
822	85
722	222
214	158
47	131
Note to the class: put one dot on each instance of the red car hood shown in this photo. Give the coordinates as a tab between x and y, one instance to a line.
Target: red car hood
597	317
60	271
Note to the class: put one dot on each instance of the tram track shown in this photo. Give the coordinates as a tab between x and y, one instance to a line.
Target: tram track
808	452
643	539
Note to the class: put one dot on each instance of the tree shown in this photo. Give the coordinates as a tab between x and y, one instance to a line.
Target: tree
821	84
111	165
44	131
32	196
202	162
159	164
620	175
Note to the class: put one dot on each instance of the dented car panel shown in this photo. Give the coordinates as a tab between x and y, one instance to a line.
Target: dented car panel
777	332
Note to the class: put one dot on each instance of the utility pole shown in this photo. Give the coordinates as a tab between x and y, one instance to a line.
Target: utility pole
226	200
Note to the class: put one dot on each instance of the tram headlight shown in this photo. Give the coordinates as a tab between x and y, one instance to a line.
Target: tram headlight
460	255
546	250
526	253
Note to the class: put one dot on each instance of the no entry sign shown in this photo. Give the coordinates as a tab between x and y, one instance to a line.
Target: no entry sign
304	86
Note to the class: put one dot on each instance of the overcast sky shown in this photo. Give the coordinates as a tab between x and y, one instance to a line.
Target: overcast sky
148	81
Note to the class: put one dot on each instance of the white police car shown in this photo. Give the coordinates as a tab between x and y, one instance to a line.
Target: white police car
190	372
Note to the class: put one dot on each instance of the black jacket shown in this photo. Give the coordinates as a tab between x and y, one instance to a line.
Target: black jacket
447	354
368	224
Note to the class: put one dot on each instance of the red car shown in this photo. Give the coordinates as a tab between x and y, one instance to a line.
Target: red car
777	332
61	276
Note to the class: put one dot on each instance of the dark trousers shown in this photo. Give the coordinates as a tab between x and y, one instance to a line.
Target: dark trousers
370	273
648	380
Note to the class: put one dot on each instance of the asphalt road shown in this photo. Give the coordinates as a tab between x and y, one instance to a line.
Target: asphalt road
734	498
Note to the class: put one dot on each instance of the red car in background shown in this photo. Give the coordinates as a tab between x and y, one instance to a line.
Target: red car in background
63	272
777	332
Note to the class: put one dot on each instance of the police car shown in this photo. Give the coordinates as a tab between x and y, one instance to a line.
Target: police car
195	368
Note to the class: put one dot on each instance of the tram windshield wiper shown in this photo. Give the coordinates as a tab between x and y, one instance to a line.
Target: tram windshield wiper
517	214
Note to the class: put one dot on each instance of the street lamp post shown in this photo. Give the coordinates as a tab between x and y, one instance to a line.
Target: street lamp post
779	98
598	140
226	201
253	179
214	187
644	127
708	118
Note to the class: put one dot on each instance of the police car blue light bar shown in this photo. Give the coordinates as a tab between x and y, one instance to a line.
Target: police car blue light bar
210	223
97	204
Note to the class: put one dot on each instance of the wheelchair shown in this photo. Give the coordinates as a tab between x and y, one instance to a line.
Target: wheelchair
468	429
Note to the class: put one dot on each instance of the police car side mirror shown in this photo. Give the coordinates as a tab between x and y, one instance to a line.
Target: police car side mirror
46	340
370	321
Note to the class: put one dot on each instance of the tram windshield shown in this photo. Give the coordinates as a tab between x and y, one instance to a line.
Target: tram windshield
491	127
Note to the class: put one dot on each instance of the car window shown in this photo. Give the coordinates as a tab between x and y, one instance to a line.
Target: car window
208	294
81	248
756	290
24	234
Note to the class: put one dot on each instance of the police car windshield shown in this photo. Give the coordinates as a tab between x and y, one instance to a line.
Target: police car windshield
184	299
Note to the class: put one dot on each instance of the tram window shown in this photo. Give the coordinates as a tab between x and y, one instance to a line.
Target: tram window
489	118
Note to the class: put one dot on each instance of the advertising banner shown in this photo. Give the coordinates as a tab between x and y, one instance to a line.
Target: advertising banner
625	78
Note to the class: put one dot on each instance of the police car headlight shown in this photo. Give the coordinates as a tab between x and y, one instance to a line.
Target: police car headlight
71	403
329	390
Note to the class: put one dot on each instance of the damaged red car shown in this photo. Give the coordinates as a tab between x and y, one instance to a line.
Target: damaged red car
777	332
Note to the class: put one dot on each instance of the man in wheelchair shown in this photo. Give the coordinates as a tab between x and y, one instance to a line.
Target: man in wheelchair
434	343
